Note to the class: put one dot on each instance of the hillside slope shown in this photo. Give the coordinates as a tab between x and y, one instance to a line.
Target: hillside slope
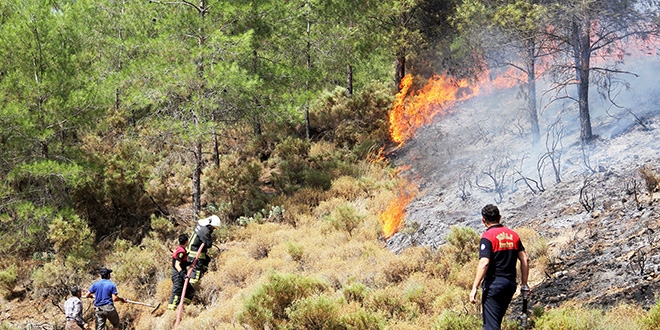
599	218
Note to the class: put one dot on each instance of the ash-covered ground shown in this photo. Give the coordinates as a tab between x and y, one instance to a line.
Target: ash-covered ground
590	202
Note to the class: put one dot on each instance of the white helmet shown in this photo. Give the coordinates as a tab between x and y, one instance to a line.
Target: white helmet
212	220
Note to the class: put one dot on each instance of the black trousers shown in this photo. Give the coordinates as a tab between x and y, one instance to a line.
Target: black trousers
178	279
497	294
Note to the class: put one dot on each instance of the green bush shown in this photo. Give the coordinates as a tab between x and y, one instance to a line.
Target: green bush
652	319
355	292
348	121
267	305
291	160
139	266
450	320
345	218
72	239
8	277
570	318
233	187
314	312
362	320
392	303
296	251
463	243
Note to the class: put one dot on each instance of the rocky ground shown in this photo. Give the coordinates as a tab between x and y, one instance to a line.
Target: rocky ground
599	219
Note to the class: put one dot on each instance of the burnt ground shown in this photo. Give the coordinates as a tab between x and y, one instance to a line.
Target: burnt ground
601	222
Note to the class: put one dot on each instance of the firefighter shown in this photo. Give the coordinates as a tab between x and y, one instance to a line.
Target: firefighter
500	249
180	265
202	234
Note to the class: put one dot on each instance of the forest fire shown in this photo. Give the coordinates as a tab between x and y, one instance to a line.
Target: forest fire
413	109
392	219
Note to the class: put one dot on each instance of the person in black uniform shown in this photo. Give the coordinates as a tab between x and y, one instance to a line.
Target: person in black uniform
180	265
202	234
500	249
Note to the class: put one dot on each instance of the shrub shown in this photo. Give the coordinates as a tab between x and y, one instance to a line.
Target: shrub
392	302
345	218
536	246
570	318
268	304
362	320
651	178
652	318
348	188
291	160
355	292
450	320
162	228
401	266
463	243
314	312
72	239
296	251
54	279
8	277
233	187
145	268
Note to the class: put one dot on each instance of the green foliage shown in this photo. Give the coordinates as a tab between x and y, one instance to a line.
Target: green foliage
296	251
290	157
652	318
450	320
345	218
351	121
8	277
235	183
139	266
54	279
570	318
24	228
463	243
162	228
268	304
392	302
8	326
355	292
72	239
362	320
314	312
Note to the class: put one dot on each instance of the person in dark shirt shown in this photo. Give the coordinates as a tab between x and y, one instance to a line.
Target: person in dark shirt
180	265
500	249
105	294
203	233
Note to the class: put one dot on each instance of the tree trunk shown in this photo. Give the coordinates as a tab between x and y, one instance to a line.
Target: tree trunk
349	81
196	179
400	67
531	90
582	48
309	67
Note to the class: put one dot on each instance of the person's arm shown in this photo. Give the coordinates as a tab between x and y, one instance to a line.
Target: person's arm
89	295
524	268
115	297
481	273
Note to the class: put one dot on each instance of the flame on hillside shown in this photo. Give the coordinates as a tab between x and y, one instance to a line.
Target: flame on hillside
392	219
413	109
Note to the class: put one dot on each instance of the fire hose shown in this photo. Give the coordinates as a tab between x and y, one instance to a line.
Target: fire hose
524	292
179	310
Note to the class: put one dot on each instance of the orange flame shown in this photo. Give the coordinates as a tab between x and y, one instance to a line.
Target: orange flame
392	219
